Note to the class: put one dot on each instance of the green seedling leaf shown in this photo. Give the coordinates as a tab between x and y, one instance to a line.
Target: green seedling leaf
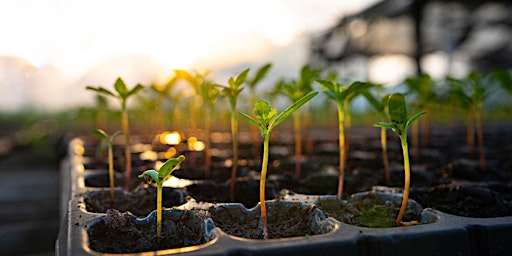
397	110
260	74
293	108
121	88
151	173
169	166
100	133
100	90
413	119
251	120
384	125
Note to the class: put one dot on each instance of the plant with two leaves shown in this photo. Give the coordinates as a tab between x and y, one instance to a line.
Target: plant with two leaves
110	142
159	177
232	91
266	120
122	94
209	94
295	90
380	106
400	123
342	95
471	93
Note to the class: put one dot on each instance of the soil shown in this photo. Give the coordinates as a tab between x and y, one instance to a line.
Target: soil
284	220
126	234
139	202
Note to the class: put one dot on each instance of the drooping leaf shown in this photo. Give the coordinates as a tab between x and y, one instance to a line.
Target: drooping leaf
384	125
100	133
101	90
151	173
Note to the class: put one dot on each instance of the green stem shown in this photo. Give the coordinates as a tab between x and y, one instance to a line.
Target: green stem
298	143
385	159
111	170
407	182
341	127
262	184
234	169
159	209
480	137
127	151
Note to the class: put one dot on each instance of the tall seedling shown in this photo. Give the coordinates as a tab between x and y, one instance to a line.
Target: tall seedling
159	177
122	94
266	119
471	93
342	95
234	88
110	142
295	90
252	82
400	123
380	106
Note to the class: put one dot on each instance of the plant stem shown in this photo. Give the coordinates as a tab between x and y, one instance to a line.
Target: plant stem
480	137
159	209
298	143
384	146
234	169
262	184
111	170
341	138
407	182
127	151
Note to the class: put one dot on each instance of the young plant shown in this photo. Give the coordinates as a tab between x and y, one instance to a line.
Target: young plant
122	95
266	119
400	123
295	90
252	82
342	95
471	93
231	92
159	177
110	142
380	106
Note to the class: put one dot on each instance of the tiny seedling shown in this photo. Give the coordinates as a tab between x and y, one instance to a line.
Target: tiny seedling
266	119
342	95
232	92
110	142
159	177
399	123
122	95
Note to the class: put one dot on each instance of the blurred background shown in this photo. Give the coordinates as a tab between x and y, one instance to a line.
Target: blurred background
51	49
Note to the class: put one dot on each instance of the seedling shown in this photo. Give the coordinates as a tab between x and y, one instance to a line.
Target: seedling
110	142
252	82
294	90
122	95
266	119
423	87
380	106
342	95
209	95
471	93
399	123
159	177
231	92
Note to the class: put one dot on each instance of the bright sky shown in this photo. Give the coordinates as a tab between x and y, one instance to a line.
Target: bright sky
76	34
78	42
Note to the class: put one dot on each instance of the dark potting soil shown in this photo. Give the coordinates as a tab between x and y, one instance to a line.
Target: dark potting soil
284	220
463	201
122	233
139	202
369	210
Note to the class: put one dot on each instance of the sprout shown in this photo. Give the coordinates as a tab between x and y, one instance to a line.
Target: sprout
231	92
266	119
122	95
159	177
342	95
399	123
110	141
